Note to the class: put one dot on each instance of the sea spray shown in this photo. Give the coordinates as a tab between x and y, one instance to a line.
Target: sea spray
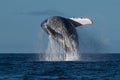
55	52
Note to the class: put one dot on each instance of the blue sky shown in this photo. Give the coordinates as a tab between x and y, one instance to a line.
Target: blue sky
20	20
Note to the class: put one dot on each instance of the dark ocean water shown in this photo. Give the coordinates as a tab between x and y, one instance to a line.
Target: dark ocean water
28	67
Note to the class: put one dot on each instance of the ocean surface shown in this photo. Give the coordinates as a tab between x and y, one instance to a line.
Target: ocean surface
29	67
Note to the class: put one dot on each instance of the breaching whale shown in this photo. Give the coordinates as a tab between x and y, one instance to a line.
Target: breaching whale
63	30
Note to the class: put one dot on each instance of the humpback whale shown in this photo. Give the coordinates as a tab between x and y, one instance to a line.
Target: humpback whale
63	31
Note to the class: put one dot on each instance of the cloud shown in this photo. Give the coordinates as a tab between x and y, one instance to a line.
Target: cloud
46	12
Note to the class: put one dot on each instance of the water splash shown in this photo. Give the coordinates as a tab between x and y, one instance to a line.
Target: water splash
55	52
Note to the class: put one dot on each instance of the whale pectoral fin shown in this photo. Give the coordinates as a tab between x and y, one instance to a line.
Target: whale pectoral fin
81	21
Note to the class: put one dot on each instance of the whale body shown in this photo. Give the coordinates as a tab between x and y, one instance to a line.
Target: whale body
63	31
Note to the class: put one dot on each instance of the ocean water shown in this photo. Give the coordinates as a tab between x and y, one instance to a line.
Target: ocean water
29	67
